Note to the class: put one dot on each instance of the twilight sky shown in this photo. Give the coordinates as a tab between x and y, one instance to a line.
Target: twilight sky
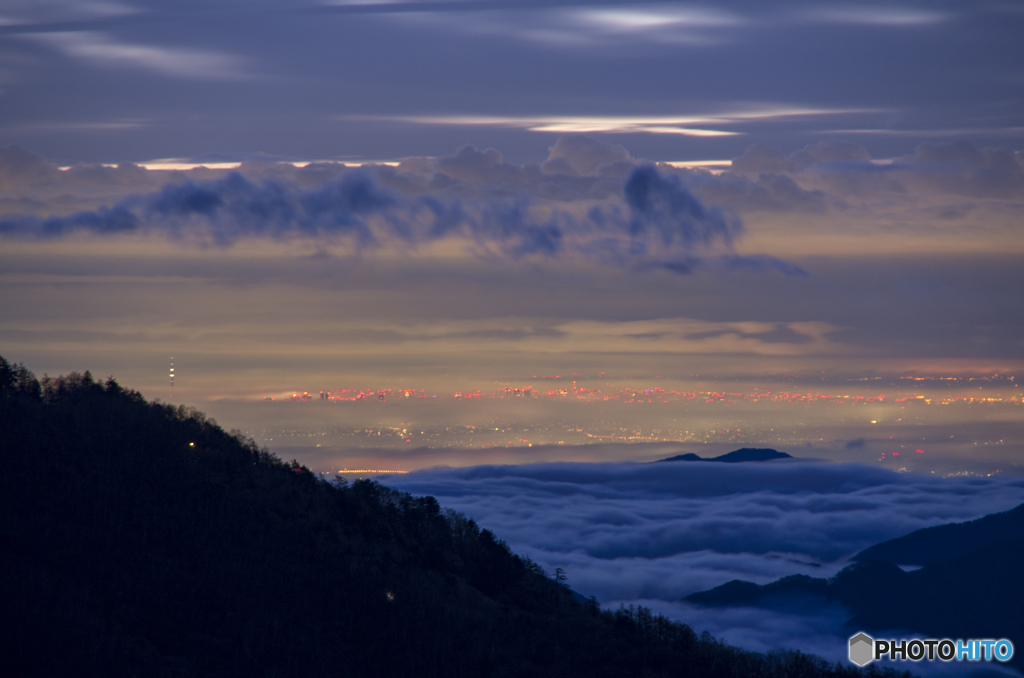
737	204
133	81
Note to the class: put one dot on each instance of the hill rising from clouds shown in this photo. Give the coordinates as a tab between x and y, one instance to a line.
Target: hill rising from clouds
951	596
142	539
736	456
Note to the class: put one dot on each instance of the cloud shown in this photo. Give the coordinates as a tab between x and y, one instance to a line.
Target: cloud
781	334
641	19
21	167
817	513
653	221
696	125
813	630
759	158
897	17
946	168
962	168
588	200
177	62
770	192
576	154
32	15
474	166
560	25
663	208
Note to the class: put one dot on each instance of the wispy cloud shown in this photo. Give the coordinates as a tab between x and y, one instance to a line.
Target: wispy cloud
177	62
641	18
566	24
878	15
78	125
932	133
27	12
686	125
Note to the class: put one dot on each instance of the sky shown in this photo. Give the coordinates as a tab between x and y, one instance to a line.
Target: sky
530	245
374	226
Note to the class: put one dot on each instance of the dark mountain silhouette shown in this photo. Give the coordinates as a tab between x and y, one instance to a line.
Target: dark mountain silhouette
877	580
141	539
933	544
777	593
740	455
973	590
689	456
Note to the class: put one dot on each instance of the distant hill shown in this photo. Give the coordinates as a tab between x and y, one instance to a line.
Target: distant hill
974	589
141	539
740	455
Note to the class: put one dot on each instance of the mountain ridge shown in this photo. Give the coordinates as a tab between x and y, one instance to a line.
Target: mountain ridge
950	596
942	542
142	539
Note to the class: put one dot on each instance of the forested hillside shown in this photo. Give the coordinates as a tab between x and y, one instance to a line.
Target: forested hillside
142	539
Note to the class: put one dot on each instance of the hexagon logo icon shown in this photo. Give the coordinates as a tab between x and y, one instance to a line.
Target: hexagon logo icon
862	649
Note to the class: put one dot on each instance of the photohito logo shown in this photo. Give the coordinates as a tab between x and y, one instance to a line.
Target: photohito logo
864	649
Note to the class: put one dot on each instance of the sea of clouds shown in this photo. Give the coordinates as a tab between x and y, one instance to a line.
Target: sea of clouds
650	534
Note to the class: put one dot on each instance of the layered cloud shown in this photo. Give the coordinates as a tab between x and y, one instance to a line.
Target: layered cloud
956	168
473	199
710	521
588	200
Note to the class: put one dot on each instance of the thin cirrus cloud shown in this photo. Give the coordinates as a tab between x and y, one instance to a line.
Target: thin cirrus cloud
644	19
665	24
104	125
35	12
955	132
570	25
896	17
563	24
685	125
103	50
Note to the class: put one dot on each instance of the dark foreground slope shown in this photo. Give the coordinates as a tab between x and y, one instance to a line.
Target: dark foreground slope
141	539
